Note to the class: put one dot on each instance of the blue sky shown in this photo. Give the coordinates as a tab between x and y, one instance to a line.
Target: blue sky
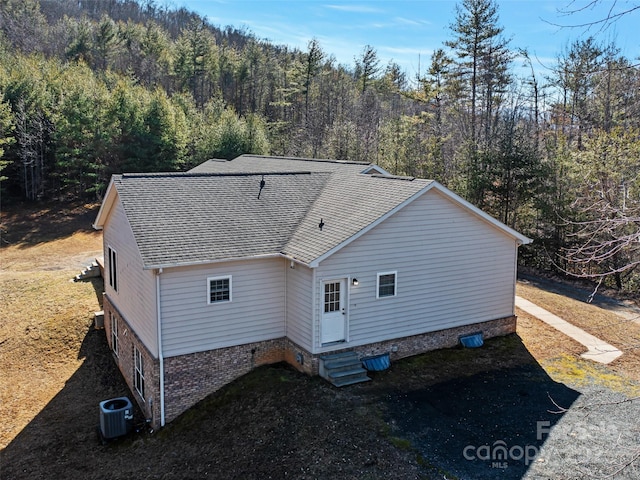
408	31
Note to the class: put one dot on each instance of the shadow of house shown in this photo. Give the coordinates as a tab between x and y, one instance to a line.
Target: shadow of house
269	421
30	224
487	424
61	441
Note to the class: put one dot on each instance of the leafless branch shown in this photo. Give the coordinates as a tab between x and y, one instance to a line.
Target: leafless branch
589	407
608	241
635	456
604	22
560	410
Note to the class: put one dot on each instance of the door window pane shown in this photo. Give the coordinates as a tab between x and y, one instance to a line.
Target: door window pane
331	297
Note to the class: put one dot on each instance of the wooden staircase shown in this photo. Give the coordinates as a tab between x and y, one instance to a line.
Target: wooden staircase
341	369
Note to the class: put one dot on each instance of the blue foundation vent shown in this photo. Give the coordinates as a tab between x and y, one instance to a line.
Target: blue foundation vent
377	363
472	341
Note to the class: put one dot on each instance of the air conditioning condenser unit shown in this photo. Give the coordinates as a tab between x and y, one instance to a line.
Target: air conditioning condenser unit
116	417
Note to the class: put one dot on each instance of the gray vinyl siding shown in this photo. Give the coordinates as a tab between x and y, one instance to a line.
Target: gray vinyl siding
299	305
256	312
453	269
136	295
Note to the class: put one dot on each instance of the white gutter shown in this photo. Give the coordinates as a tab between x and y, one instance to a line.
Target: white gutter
217	260
160	356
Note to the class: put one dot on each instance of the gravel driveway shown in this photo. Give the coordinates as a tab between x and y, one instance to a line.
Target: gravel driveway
512	424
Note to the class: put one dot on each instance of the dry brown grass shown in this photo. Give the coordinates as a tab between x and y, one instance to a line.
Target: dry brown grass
44	320
44	316
543	341
607	325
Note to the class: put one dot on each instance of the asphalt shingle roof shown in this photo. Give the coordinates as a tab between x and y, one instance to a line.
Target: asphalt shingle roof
217	210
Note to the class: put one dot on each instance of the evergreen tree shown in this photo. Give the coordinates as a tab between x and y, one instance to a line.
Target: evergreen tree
367	67
482	64
6	133
195	62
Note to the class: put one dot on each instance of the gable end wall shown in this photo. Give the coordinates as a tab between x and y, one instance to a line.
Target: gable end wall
136	295
453	269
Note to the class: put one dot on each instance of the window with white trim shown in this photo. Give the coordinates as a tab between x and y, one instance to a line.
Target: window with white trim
387	284
113	268
219	289
114	333
138	373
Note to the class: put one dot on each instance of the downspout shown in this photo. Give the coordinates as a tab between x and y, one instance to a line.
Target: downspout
286	308
314	315
160	356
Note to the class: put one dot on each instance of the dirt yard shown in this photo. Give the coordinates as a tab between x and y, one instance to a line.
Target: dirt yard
522	406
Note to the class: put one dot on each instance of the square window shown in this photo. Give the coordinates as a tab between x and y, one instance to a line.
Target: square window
386	284
219	289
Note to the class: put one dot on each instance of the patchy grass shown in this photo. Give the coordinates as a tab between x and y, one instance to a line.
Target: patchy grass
579	372
544	341
621	332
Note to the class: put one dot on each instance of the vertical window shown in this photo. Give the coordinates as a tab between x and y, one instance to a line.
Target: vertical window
113	269
219	289
114	333
386	284
138	378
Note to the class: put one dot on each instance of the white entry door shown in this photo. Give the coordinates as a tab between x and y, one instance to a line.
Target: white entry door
333	325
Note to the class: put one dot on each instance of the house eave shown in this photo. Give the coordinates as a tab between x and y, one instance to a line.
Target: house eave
219	260
105	206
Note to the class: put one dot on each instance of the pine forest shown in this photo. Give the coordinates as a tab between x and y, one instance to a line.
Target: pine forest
93	88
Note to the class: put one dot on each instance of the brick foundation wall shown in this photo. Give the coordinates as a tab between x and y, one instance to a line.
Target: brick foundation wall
417	344
190	378
127	339
402	347
299	358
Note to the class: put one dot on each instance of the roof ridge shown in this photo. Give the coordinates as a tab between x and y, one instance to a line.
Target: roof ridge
214	174
305	159
393	177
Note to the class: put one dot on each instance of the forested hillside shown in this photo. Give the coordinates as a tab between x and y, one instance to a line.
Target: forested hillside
97	87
